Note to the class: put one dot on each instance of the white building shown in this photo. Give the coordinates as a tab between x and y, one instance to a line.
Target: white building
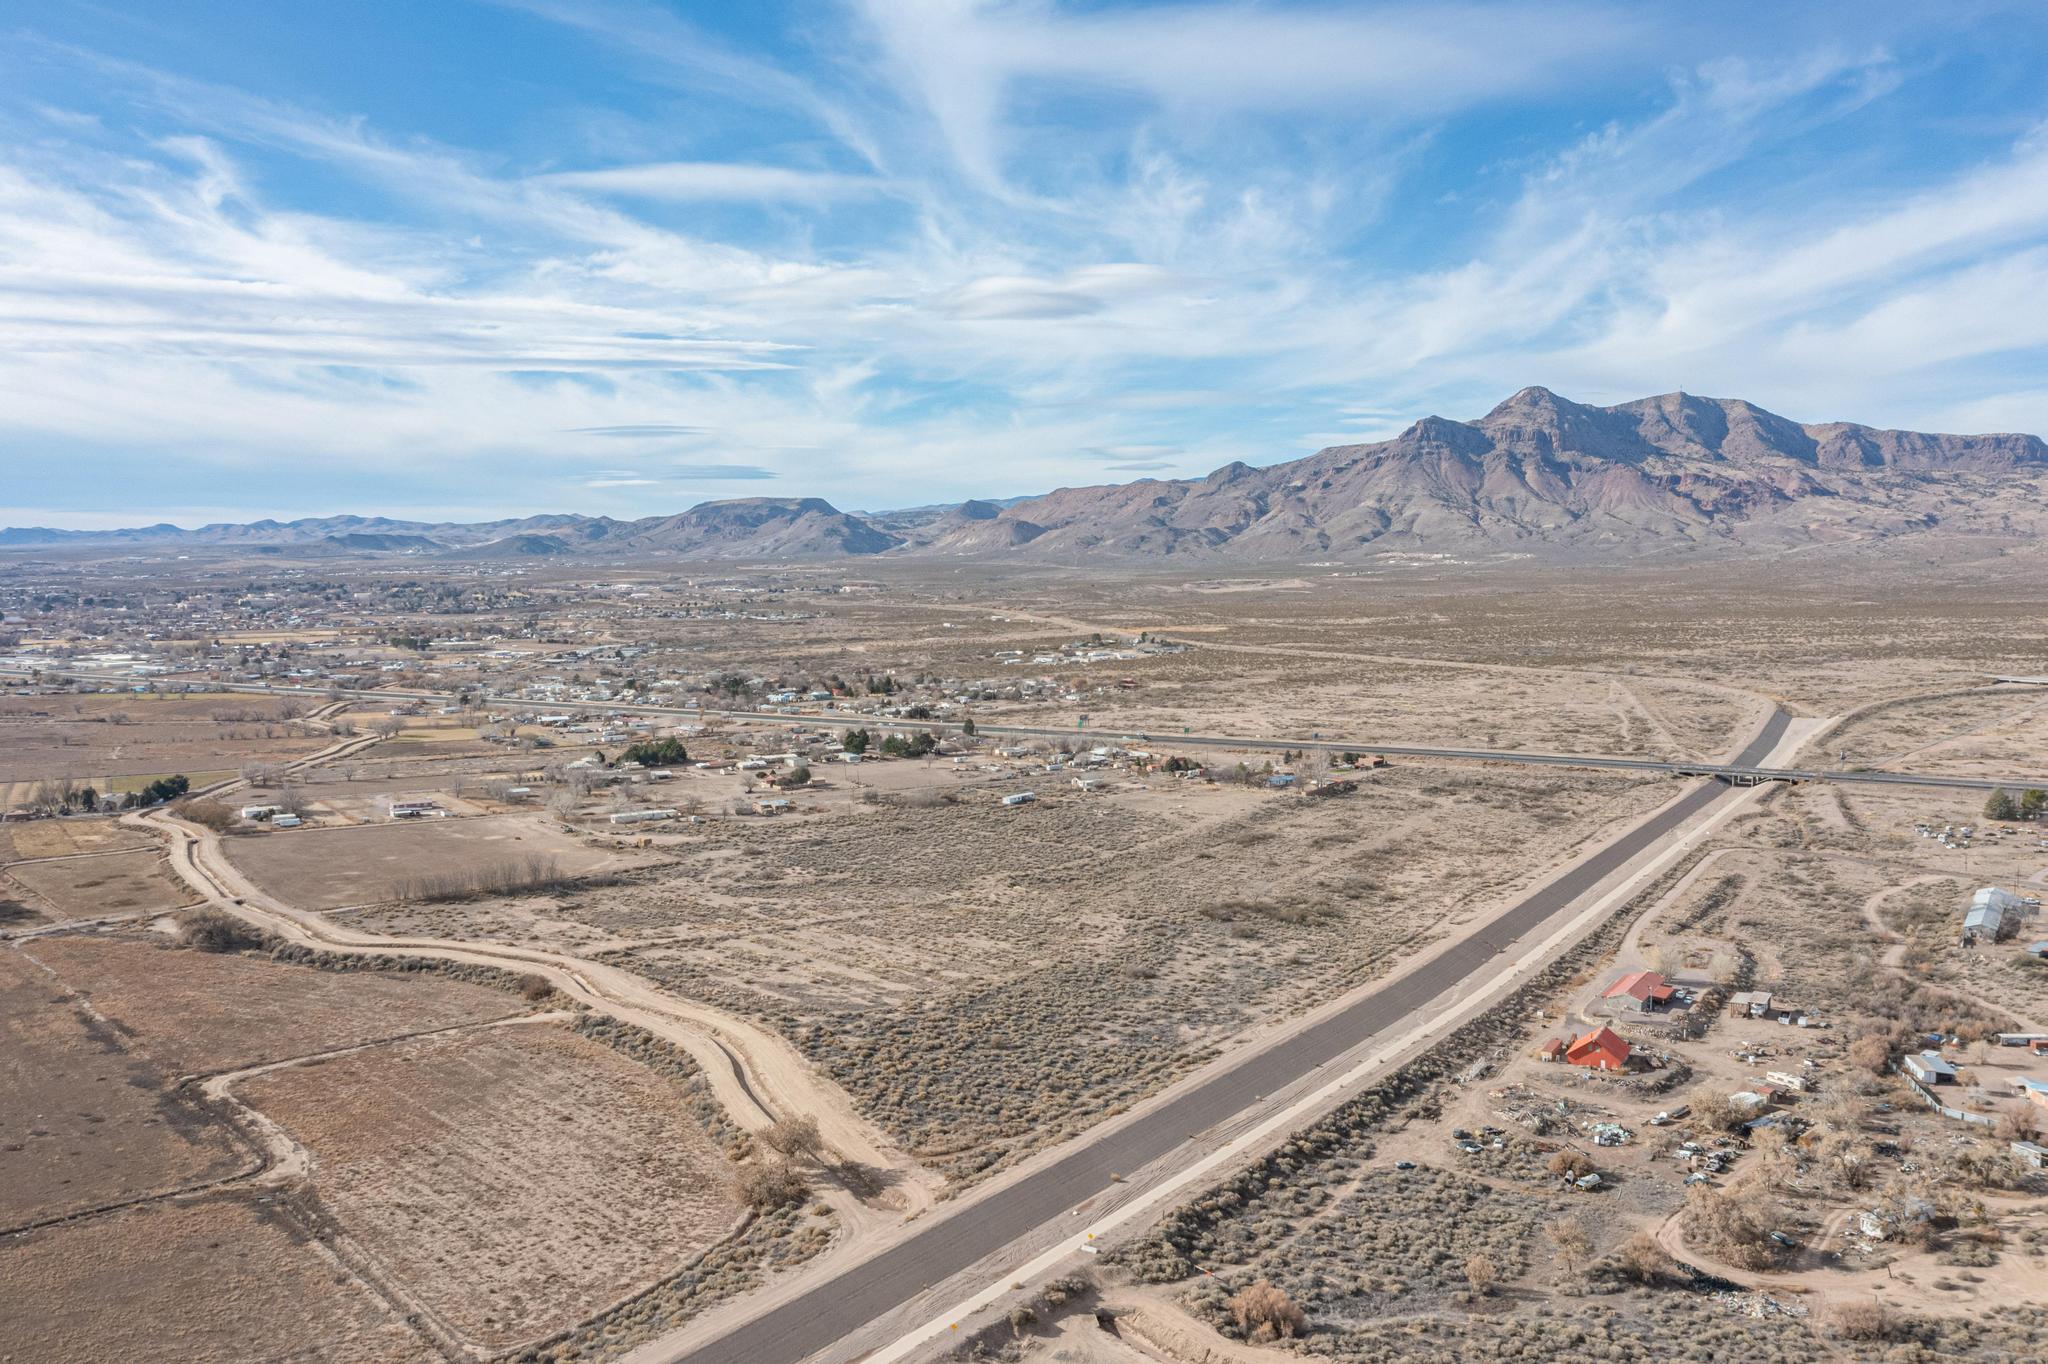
1993	914
642	816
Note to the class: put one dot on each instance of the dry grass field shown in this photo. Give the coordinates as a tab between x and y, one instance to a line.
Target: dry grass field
113	737
984	980
515	1179
329	868
1380	701
1987	731
62	837
93	887
220	1278
502	1183
86	1122
198	1013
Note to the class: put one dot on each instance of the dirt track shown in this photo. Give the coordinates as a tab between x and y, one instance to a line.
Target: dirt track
755	1074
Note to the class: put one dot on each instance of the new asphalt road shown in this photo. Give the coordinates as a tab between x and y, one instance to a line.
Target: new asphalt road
864	1291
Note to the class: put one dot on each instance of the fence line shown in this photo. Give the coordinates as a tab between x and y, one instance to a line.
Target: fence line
1981	1119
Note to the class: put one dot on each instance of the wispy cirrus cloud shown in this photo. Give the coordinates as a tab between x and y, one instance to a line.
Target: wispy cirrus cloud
721	472
638	431
904	251
690	181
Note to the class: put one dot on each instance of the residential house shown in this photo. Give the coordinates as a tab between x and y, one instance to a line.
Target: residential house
1600	1049
1638	992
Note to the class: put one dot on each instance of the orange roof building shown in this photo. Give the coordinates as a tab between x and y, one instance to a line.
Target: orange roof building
1646	988
1599	1049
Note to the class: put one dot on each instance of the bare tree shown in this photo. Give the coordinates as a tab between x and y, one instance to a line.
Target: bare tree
1569	1238
2019	1124
53	795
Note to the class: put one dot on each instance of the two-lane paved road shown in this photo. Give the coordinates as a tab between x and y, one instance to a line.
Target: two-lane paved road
866	1290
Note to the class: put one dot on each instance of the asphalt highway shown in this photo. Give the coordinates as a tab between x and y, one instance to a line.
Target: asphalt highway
1740	770
828	1313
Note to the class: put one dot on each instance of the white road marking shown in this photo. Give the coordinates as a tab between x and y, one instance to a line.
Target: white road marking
1266	1135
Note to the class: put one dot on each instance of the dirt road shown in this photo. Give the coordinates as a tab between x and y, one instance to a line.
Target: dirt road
756	1075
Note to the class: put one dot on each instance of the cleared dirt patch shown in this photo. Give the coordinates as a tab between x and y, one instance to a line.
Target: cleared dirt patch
199	1012
517	1179
92	887
84	1123
215	1279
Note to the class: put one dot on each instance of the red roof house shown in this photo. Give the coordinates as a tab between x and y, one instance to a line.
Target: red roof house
1552	1048
1646	989
1599	1049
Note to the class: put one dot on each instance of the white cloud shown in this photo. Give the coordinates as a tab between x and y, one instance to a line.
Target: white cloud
1157	286
963	59
691	181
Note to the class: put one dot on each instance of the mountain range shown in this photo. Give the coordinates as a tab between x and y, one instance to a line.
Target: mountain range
1537	473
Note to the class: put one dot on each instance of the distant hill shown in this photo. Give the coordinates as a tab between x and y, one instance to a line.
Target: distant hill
1537	473
914	518
763	527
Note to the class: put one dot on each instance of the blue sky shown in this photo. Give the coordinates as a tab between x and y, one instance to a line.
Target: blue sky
472	258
